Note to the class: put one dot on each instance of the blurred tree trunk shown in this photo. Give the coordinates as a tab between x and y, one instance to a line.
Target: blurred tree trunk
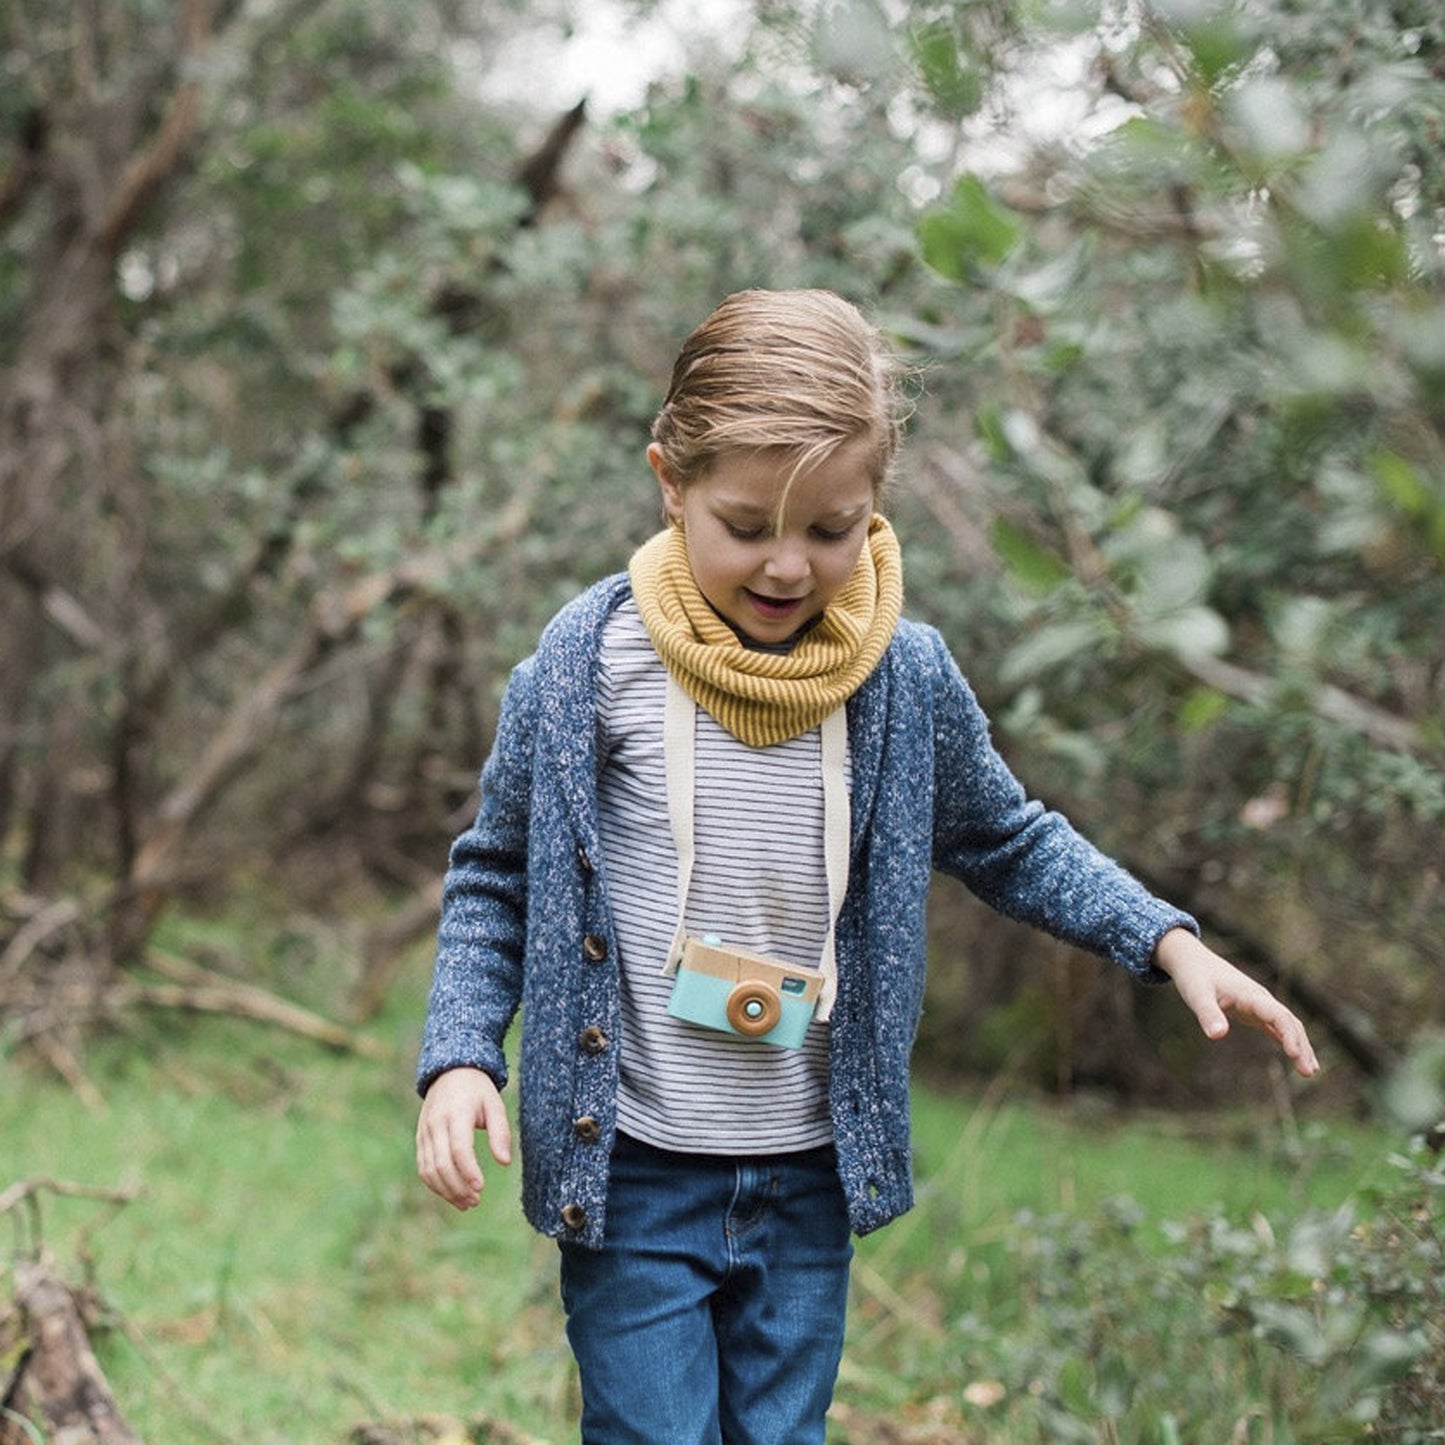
109	131
146	664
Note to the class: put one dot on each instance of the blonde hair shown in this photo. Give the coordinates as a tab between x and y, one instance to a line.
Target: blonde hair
801	373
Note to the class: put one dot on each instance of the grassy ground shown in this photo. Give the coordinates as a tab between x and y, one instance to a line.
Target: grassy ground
282	1276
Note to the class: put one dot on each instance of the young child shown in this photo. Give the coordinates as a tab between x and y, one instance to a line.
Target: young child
707	826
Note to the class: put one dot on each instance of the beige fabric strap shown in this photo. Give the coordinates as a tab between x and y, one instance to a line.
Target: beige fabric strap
679	743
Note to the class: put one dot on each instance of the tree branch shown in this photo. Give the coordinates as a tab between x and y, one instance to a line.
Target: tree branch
335	617
1130	221
387	946
1332	703
197	990
54	918
149	169
60	607
540	175
25	1190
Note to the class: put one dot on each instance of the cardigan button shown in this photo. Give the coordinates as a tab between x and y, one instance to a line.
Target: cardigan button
593	1040
574	1216
583	860
587	1129
594	948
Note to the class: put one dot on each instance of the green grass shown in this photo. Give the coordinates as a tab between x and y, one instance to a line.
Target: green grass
283	1276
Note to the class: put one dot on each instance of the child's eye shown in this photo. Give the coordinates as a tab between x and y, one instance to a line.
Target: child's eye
833	534
745	534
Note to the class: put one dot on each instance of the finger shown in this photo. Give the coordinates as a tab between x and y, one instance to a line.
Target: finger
1295	1042
499	1129
460	1157
431	1169
1265	1012
454	1173
452	1177
1205	1006
1212	1019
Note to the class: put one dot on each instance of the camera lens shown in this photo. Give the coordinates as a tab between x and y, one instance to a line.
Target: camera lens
754	1008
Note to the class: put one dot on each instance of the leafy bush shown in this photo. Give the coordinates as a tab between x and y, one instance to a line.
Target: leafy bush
1068	1328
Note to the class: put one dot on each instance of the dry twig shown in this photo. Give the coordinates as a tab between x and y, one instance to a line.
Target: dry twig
199	990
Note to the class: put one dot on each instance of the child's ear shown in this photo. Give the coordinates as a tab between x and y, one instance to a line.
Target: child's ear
671	492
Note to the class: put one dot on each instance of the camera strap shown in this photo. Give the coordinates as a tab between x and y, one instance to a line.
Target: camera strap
679	746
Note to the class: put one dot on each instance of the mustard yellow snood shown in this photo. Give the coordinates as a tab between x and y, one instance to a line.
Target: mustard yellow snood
762	697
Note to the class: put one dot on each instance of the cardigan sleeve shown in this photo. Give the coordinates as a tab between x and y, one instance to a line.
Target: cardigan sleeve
1023	859
477	978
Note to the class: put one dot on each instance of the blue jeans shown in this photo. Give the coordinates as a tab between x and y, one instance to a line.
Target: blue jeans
714	1312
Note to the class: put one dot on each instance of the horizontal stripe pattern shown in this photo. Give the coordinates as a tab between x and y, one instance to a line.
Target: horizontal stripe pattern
759	883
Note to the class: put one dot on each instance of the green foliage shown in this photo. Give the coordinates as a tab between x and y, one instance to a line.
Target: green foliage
1174	490
1200	339
1414	1094
952	79
1114	1321
280	1246
972	236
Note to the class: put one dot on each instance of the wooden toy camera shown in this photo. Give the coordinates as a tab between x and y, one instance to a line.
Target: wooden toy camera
742	993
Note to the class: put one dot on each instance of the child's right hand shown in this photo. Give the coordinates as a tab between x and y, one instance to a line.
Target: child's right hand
458	1103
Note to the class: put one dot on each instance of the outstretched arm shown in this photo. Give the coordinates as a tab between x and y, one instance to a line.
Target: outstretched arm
1216	990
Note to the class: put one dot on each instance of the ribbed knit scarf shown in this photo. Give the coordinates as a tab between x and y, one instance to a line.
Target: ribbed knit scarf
764	697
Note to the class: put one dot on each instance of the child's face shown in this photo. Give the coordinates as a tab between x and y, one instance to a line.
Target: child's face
768	576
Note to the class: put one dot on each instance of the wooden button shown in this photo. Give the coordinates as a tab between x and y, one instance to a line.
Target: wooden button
574	1216
594	948
593	1039
587	1129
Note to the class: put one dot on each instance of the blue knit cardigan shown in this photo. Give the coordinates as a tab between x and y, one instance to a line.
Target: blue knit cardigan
527	922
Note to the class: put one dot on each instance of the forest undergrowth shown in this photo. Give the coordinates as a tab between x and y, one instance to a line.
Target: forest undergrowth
266	1268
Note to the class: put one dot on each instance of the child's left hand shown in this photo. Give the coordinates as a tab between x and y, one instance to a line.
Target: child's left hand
1215	990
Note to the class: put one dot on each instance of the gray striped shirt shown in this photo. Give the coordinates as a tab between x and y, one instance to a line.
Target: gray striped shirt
759	884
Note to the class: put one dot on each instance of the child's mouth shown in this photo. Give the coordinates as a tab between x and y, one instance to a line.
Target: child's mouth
774	608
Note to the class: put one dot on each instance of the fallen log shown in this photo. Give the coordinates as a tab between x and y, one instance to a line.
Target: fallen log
54	1388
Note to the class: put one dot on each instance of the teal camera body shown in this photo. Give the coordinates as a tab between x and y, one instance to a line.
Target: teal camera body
744	994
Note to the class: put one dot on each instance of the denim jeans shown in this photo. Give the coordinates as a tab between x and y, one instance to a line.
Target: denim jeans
714	1312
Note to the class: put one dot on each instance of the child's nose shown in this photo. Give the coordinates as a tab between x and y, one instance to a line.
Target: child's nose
788	561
